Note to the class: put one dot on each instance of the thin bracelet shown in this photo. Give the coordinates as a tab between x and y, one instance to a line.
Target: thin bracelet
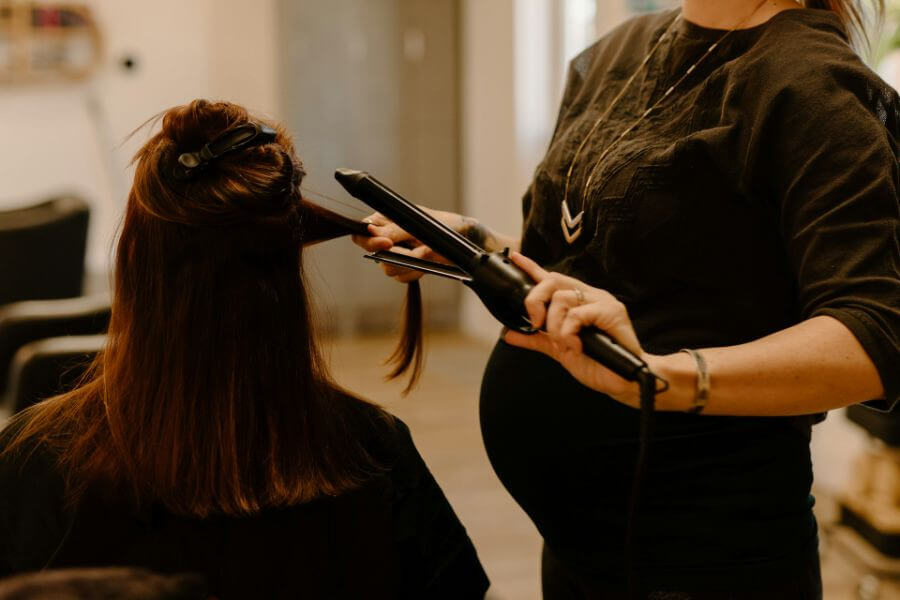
701	396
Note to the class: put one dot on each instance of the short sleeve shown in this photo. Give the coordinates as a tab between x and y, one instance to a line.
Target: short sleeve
834	167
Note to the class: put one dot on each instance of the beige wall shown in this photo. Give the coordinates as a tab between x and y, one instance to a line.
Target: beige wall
509	104
69	137
490	186
243	61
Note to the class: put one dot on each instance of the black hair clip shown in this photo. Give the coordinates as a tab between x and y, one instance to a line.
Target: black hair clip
236	138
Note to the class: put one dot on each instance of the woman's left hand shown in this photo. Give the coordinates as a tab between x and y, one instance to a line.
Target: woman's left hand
555	304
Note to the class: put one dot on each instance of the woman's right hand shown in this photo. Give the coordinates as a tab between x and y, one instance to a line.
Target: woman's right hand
384	234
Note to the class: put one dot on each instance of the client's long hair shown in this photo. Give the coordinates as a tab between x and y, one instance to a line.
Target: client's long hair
211	396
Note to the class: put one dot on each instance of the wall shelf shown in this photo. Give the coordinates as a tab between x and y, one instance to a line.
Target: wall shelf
43	43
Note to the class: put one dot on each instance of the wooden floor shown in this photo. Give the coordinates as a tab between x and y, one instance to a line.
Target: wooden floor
443	416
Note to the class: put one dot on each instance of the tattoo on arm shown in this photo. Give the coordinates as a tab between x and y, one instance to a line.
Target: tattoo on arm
478	234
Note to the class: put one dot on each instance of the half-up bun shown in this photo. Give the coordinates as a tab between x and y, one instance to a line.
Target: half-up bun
238	221
211	398
259	181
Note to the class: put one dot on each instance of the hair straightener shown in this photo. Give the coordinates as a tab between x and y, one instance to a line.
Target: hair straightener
501	285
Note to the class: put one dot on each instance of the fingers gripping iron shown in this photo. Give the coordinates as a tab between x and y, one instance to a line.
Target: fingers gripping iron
501	285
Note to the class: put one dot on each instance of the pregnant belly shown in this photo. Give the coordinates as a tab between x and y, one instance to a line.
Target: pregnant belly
567	455
541	429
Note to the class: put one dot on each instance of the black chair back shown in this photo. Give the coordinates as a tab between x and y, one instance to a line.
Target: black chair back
42	250
48	367
882	425
24	322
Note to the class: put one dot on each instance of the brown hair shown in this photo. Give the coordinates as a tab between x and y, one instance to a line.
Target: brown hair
211	396
409	355
321	224
853	14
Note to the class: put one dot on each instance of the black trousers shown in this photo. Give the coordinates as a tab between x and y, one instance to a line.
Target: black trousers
559	582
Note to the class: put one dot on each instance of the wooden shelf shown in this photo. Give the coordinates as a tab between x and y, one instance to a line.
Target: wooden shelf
47	42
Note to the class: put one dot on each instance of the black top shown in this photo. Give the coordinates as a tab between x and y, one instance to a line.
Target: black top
396	537
762	193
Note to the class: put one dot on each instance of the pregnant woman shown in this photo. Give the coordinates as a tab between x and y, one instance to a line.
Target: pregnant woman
722	179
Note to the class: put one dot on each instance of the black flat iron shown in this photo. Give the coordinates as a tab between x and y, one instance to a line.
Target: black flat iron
501	285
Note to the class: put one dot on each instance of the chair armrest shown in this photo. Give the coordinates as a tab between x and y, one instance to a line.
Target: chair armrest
30	320
48	367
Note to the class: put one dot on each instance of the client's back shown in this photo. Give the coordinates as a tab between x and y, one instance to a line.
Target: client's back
208	436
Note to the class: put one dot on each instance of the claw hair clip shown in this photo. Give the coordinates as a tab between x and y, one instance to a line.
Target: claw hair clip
232	140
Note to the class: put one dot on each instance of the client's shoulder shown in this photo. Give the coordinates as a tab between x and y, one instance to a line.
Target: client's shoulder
370	423
19	450
28	466
32	500
385	436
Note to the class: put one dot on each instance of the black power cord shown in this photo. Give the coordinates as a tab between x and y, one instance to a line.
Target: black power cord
648	390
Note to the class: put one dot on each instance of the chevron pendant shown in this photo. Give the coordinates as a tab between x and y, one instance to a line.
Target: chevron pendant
571	228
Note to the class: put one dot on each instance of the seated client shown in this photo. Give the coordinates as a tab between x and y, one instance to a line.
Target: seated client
208	437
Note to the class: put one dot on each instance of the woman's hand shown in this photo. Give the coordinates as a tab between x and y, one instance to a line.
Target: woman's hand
387	235
555	305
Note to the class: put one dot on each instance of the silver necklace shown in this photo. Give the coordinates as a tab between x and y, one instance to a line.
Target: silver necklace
573	226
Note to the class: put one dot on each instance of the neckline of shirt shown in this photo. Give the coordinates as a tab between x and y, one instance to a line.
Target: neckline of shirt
691	30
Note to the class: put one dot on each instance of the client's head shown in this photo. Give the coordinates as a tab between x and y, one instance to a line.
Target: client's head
210	396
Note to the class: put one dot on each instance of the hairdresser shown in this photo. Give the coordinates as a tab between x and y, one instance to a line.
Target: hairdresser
721	195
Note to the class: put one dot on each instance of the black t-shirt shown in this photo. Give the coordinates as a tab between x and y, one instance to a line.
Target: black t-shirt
395	537
762	193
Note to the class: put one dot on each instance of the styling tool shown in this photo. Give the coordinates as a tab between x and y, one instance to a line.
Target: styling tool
501	285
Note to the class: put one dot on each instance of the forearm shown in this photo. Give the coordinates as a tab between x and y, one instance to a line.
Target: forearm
485	237
814	366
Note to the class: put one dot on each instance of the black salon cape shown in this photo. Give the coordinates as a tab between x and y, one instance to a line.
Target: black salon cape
396	537
763	192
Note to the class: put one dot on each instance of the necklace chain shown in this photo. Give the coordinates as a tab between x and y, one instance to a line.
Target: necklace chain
573	226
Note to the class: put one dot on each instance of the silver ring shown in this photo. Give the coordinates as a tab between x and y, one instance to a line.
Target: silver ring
579	296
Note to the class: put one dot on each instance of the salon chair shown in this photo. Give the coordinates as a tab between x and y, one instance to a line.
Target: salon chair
871	505
48	367
28	321
42	250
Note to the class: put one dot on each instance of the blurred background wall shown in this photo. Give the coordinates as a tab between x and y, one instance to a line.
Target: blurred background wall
71	137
